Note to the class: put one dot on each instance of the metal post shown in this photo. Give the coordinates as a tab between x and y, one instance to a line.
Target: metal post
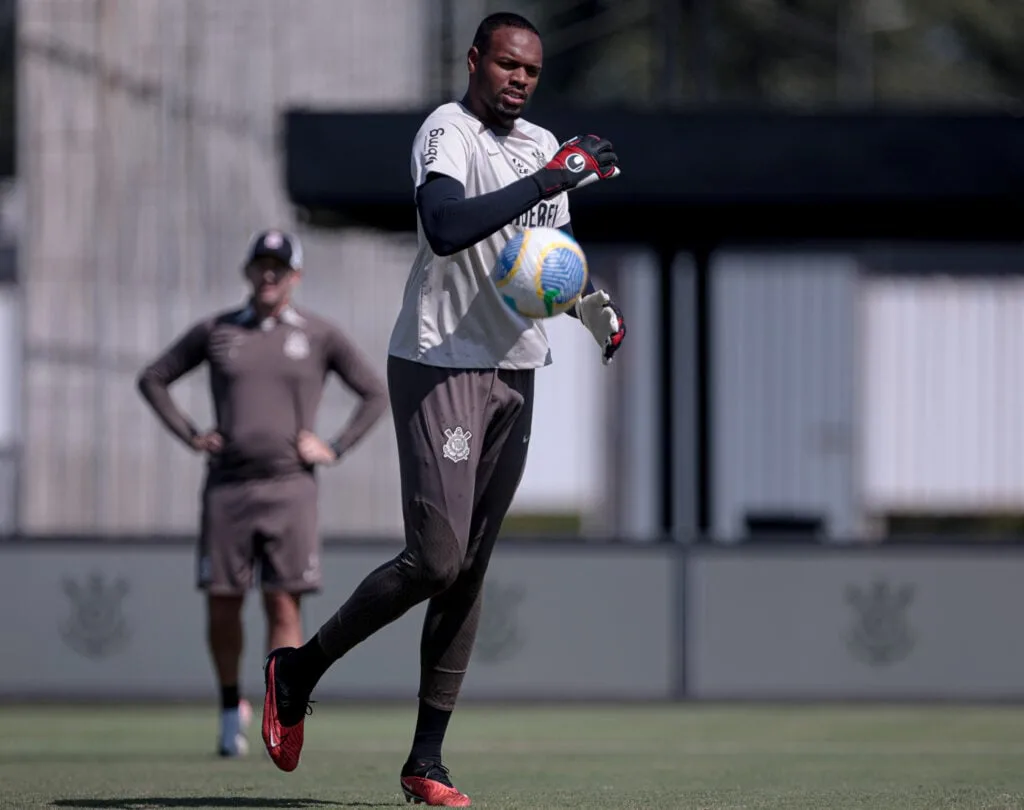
446	39
687	406
666	262
705	370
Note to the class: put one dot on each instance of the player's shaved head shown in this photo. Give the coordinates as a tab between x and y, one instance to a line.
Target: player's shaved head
502	19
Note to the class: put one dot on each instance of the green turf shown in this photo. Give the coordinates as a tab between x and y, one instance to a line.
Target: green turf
685	758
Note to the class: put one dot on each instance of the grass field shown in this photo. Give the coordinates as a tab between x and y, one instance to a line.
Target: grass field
652	757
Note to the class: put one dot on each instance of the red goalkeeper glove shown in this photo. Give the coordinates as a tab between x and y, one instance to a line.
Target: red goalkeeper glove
578	162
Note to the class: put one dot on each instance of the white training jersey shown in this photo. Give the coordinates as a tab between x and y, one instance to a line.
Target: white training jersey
451	312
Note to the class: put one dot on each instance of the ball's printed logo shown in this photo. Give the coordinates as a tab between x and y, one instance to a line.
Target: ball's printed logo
540	273
273	240
456	448
575	162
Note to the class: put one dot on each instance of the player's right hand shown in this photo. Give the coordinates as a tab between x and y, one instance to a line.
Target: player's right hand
210	442
579	161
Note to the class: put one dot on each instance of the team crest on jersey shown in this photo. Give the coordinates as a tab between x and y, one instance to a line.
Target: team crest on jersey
540	158
456	448
296	346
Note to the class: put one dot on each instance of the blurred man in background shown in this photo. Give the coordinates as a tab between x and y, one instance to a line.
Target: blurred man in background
461	380
268	363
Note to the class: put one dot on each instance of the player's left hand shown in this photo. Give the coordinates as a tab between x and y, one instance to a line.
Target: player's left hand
314	450
604	319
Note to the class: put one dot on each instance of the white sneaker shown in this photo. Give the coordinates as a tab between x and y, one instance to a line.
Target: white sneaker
233	725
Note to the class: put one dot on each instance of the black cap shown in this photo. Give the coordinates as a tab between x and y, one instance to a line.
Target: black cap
276	245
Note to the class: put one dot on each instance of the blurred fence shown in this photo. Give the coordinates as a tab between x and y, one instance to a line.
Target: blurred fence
866	390
150	157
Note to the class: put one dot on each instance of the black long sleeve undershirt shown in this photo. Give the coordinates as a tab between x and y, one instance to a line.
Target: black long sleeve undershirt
453	222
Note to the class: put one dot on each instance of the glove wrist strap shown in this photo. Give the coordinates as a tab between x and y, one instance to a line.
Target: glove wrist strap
550	182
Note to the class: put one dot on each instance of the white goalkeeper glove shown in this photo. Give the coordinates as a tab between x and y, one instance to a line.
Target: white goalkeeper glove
604	319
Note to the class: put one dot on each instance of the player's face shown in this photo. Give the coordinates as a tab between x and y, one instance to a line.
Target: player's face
271	281
507	74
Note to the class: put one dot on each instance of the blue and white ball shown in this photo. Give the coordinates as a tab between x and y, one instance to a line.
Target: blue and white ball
541	272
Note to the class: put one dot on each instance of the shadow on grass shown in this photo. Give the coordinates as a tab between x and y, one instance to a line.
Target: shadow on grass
147	802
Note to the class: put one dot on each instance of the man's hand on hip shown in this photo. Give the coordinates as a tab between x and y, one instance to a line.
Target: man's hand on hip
209	442
314	450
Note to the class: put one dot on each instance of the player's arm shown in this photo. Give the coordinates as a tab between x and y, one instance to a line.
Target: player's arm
602	316
154	381
346	360
452	222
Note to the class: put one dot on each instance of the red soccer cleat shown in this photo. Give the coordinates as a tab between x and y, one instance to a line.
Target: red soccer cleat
284	716
427	782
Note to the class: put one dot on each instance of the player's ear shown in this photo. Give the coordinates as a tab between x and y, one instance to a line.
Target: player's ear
472	59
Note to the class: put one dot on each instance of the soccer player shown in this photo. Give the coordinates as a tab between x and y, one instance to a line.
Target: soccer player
461	379
267	363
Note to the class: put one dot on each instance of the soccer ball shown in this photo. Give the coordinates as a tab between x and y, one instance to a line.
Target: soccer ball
541	272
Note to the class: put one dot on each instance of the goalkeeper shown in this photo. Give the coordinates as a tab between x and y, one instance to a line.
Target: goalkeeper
461	381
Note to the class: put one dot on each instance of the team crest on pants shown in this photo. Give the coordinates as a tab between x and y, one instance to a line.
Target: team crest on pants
457	447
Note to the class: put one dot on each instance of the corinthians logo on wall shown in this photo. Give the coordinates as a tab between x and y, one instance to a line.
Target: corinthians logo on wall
96	625
880	634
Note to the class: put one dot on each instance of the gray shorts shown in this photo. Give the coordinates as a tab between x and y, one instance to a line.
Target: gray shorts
271	522
463	436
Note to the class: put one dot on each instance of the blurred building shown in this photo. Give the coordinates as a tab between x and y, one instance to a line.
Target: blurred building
856	388
149	156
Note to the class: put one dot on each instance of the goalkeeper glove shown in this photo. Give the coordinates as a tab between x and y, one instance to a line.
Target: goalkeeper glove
604	319
578	162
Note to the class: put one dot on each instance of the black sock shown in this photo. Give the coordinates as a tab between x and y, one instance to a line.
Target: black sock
304	667
229	697
431	725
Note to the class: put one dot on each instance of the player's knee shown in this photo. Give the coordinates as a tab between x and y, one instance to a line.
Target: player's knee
434	558
438	572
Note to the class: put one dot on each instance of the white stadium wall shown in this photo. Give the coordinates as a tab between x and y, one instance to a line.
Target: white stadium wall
889	624
120	622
